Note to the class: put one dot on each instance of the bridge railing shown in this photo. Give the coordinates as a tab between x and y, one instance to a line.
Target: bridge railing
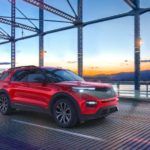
126	88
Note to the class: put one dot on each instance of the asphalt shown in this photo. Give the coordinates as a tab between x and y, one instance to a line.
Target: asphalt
128	129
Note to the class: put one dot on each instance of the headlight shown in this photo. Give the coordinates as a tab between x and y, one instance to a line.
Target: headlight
82	89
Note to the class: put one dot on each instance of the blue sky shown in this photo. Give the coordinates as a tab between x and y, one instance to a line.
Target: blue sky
106	45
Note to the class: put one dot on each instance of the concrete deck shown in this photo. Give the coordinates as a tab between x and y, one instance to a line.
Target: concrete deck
127	129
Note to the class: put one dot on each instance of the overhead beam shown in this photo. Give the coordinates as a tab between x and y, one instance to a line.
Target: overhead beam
4	32
36	19
26	37
44	33
5	42
18	25
130	13
144	10
51	9
2	36
131	3
60	29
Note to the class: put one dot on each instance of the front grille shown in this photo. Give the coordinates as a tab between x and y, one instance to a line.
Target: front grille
101	93
107	110
113	109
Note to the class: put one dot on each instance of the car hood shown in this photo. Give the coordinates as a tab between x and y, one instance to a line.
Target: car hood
84	84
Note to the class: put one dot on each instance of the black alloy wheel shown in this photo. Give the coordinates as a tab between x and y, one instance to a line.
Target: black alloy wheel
5	107
64	113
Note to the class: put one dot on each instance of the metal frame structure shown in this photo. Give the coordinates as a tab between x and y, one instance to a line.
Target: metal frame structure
77	22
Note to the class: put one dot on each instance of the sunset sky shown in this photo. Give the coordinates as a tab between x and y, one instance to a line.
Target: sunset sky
108	46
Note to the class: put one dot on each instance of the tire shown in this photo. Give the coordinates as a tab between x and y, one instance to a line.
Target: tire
5	106
64	113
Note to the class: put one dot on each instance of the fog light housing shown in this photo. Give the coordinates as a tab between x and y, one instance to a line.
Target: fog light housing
91	103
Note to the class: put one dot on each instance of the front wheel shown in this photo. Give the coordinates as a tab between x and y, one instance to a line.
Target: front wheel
64	113
5	107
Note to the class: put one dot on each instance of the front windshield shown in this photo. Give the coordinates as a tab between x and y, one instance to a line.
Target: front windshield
60	75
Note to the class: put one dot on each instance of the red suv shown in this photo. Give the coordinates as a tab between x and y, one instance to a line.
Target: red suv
63	94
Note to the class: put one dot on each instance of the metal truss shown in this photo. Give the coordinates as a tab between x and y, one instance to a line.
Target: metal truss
18	25
2	36
77	22
51	9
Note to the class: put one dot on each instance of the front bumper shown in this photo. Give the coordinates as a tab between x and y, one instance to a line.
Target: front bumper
102	112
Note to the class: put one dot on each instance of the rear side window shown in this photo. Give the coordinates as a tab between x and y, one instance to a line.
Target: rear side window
4	75
35	76
20	75
28	76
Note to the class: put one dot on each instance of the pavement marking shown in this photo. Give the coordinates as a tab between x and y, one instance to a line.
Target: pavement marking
60	130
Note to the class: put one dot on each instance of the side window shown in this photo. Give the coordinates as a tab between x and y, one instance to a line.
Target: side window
20	75
51	78
4	75
35	76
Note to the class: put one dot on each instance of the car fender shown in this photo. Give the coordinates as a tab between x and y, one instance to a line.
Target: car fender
62	94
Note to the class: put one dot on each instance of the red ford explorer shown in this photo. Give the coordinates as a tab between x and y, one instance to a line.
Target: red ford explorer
63	94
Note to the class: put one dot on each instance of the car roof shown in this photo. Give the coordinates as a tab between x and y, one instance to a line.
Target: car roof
30	67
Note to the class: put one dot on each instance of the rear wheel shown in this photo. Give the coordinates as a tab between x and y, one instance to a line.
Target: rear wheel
64	113
5	107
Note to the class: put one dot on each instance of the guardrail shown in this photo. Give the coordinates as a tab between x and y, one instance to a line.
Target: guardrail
129	89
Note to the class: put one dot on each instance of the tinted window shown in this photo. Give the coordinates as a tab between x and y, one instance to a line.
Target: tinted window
35	76
28	76
4	75
20	75
59	75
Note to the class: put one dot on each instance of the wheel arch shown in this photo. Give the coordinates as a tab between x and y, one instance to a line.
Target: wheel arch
63	95
3	91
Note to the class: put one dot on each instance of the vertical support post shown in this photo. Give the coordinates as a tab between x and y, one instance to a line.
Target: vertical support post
80	38
118	88
13	45
137	45
146	90
41	37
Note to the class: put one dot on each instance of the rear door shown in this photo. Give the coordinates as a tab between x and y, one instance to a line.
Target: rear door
38	90
18	87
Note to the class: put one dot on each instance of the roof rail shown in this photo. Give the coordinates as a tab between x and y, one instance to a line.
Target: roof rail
32	66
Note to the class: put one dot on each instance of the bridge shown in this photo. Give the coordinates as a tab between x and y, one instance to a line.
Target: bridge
126	129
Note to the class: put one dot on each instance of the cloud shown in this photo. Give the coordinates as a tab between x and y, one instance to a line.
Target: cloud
71	62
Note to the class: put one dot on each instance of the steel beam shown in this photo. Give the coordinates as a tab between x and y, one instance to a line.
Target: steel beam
51	9
4	32
130	13
36	19
41	37
13	45
44	33
144	10
131	3
60	29
5	42
18	25
80	38
137	46
2	36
